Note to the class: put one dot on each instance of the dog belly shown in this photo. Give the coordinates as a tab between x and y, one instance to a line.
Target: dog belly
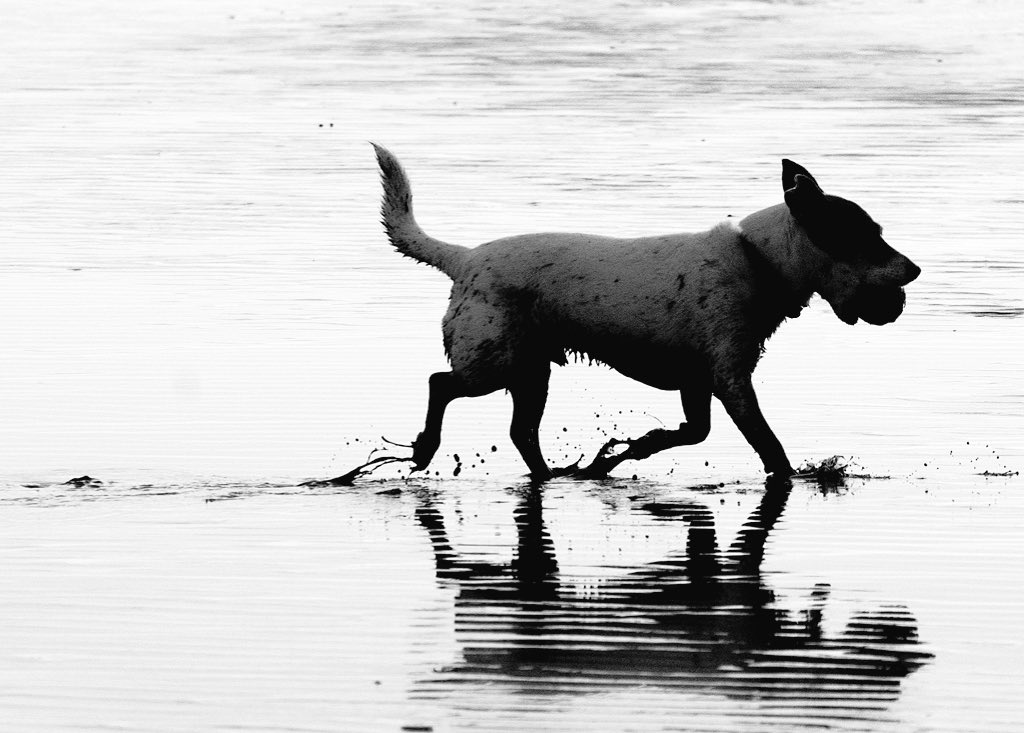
658	367
653	375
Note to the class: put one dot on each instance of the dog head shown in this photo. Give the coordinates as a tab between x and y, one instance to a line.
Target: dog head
862	276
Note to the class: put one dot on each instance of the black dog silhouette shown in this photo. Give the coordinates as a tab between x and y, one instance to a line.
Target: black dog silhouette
684	312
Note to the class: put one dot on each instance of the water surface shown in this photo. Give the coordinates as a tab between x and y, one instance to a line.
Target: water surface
200	310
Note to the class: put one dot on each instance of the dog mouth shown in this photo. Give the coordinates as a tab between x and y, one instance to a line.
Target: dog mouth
879	304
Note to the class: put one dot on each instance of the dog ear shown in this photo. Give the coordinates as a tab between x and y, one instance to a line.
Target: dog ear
804	199
790	171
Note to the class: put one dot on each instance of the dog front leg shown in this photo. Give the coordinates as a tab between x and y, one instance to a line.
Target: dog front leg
738	398
696	399
635	449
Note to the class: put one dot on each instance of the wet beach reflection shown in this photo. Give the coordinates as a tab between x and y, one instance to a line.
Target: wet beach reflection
704	619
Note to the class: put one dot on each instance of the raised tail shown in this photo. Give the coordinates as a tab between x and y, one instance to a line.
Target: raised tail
403	231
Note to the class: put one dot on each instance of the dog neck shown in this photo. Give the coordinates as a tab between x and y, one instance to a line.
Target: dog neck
771	241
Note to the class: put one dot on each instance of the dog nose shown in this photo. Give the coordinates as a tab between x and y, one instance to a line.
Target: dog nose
912	272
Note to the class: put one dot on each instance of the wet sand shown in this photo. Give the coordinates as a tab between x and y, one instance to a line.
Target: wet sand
200	310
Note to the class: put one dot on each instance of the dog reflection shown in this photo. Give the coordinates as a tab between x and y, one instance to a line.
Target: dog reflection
703	618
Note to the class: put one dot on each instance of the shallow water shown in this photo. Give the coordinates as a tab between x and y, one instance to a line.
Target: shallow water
451	605
200	310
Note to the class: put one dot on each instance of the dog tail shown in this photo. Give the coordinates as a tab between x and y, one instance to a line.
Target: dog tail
405	234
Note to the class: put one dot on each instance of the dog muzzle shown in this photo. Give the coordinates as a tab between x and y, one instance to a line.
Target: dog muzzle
880	304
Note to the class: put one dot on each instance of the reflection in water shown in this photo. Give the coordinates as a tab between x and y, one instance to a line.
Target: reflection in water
703	619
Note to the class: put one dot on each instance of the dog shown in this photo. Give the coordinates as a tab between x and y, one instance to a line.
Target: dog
689	312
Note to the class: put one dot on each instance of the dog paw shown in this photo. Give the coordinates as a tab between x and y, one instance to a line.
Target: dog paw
423	450
594	471
562	471
780	473
597	469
